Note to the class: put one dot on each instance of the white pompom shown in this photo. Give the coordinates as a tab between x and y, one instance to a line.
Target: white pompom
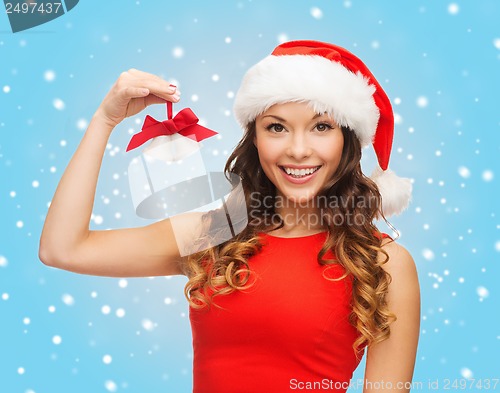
395	191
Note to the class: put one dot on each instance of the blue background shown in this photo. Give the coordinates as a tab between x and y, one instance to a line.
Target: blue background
438	61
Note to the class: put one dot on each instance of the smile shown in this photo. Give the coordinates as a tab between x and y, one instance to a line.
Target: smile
298	173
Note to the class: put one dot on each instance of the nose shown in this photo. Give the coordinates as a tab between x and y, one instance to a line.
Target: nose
298	145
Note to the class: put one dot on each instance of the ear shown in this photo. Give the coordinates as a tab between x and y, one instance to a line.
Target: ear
255	141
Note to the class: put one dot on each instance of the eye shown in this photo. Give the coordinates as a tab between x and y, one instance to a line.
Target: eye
322	127
275	127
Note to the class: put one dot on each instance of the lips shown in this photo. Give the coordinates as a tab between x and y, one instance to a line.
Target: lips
300	179
295	168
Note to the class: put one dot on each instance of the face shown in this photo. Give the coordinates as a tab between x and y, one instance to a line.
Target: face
299	150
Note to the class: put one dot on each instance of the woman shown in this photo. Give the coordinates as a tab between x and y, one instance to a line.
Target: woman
292	301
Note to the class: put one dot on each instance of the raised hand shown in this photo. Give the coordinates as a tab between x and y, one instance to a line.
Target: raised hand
133	91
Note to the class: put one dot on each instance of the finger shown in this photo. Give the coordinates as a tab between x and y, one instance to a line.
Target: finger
134	92
152	99
145	77
161	88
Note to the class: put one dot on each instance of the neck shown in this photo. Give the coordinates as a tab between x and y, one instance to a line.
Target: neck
299	216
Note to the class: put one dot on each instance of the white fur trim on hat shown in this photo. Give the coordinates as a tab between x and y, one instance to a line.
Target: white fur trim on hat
395	191
326	85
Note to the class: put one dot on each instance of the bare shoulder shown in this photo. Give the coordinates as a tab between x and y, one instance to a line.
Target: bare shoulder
404	289
400	263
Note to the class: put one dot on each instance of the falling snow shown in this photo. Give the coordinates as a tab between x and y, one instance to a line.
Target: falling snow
422	102
453	8
316	13
466	373
49	75
105	309
482	292
58	104
68	299
178	52
123	283
110	386
428	254
487	175
282	38
464	172
147	324
82	124
442	140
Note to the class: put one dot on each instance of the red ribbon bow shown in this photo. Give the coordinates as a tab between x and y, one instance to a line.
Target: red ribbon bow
184	123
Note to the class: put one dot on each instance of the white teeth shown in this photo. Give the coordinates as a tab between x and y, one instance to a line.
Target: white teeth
300	172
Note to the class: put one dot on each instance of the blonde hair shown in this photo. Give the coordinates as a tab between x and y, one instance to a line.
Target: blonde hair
224	269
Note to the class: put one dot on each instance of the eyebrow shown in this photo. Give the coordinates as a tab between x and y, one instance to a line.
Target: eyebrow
283	120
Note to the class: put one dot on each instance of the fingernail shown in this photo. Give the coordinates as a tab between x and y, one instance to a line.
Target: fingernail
176	97
172	88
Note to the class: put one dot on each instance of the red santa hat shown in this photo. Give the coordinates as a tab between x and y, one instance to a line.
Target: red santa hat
334	81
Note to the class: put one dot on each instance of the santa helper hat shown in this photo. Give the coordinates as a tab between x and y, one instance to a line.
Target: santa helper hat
331	80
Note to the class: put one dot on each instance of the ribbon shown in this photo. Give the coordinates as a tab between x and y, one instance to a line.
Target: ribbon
184	123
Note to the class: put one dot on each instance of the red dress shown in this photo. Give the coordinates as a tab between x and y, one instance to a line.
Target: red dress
289	329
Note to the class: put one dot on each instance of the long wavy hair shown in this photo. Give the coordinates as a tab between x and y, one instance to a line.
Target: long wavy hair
355	242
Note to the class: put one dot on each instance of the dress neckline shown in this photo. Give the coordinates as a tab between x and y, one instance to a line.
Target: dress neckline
296	237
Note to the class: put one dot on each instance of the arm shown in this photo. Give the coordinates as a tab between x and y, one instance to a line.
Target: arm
393	360
66	241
